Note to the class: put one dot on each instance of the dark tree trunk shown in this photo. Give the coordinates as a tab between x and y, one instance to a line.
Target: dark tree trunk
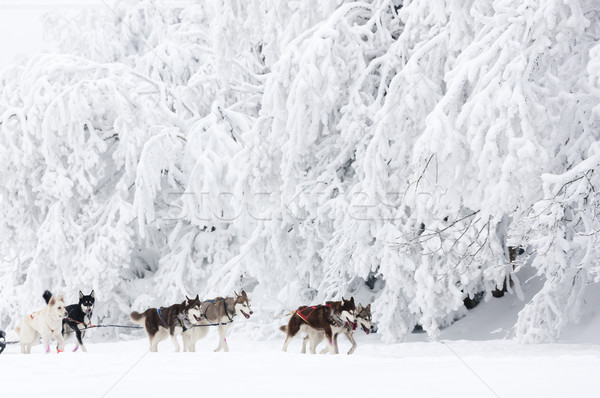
513	252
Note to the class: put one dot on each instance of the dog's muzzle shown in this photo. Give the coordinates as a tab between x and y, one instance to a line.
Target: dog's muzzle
365	329
246	315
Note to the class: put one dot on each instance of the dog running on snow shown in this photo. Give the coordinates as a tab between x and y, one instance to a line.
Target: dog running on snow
45	323
329	319
219	312
164	321
78	319
363	321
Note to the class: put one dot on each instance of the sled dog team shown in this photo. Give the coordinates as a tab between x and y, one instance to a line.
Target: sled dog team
191	320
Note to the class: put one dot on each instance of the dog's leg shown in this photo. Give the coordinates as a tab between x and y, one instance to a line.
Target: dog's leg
154	340
220	344
335	343
189	345
304	341
315	337
222	338
184	340
160	335
79	337
61	341
175	343
287	342
313	346
329	339
350	336
46	342
153	343
292	330
189	341
78	341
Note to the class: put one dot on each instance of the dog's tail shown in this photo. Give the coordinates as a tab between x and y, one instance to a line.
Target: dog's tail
136	317
283	328
18	330
47	296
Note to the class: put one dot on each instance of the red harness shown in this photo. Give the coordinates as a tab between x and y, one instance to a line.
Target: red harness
304	317
313	308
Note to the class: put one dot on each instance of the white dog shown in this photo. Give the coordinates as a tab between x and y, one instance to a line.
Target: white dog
45	323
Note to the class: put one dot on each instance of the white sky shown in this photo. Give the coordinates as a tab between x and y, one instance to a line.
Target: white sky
21	24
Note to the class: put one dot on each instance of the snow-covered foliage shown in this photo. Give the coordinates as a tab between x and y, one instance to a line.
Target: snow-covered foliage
400	151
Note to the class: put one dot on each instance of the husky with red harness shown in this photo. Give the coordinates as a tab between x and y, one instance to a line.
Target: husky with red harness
363	321
45	323
328	319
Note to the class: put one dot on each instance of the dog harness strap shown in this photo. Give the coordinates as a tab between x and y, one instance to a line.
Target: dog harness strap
305	317
182	325
86	325
227	311
160	317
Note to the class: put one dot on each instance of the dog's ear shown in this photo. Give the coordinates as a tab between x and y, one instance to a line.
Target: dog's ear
244	293
343	299
369	307
61	297
352	299
92	294
187	301
236	295
80	295
187	298
359	308
197	297
52	301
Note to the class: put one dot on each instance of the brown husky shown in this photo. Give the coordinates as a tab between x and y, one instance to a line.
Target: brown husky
363	320
327	319
219	312
164	321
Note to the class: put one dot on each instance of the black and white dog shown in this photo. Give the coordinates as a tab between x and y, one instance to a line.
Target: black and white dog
79	317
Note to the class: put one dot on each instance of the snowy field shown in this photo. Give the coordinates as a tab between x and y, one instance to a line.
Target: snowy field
493	368
475	357
472	359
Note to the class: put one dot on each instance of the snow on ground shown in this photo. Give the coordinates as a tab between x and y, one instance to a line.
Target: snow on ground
259	369
472	359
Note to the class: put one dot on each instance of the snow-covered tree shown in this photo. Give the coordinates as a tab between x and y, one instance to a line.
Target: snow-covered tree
400	151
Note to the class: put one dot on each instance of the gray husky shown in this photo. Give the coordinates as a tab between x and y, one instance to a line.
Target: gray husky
363	321
219	312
